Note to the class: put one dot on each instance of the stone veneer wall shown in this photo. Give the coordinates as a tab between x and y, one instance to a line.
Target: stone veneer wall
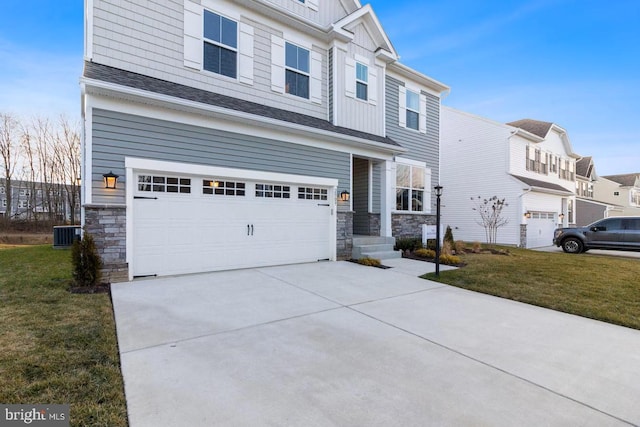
344	240
108	226
374	224
523	235
410	225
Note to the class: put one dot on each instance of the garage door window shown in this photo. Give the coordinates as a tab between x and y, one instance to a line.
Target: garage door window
164	184
273	191
223	188
309	193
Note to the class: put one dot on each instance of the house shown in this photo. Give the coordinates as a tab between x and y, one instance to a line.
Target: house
621	192
588	209
528	163
40	200
246	134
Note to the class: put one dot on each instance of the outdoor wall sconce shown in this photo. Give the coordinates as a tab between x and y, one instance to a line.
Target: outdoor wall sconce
527	215
344	196
561	216
110	180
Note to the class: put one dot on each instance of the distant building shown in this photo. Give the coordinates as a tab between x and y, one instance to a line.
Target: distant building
42	201
621	191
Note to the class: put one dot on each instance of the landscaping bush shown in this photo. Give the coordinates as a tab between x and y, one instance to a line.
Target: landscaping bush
408	243
477	247
431	244
86	262
425	253
371	262
448	236
450	259
446	248
460	247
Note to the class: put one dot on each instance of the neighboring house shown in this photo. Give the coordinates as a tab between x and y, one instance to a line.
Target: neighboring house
252	133
588	209
529	163
622	192
39	200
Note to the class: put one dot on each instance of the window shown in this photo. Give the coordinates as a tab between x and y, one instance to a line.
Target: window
413	110
273	191
164	184
616	193
309	193
570	211
24	192
362	79
23	204
220	44
223	188
410	185
4	203
1	190
635	197
296	70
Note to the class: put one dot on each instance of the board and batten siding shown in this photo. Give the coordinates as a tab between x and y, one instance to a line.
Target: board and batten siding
148	38
422	147
360	196
118	135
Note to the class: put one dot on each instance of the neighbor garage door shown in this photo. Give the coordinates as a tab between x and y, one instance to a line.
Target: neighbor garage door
540	229
187	224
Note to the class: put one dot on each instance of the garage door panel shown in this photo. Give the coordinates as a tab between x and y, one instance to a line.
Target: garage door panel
540	228
202	231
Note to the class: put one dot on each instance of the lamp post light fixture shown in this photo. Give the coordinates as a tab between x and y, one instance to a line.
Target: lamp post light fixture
110	180
438	190
344	196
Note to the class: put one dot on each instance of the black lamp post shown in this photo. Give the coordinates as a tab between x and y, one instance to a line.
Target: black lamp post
438	189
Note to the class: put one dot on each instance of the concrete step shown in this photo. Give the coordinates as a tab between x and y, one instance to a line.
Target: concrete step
372	240
382	255
359	250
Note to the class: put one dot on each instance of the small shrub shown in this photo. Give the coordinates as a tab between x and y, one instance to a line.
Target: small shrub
448	236
86	262
446	248
408	243
371	262
477	247
450	259
460	247
425	253
431	244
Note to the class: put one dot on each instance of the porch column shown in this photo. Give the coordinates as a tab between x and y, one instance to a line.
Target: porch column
387	196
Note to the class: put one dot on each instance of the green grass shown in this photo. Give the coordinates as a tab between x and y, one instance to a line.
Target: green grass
57	347
599	287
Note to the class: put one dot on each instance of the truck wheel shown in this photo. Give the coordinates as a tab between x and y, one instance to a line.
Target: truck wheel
572	245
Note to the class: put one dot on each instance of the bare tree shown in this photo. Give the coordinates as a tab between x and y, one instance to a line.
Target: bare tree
67	149
491	218
9	152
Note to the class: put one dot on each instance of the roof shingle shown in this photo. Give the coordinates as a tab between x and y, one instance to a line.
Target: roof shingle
535	127
627	180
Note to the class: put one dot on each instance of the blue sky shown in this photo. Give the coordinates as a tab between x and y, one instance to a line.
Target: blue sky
572	62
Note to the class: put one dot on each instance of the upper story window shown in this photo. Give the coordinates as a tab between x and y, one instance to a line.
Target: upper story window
220	44
537	161
413	110
296	70
362	81
634	196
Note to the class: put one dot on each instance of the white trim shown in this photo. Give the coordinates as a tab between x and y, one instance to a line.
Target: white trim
370	195
349	77
235	121
402	106
193	35
222	8
315	79
87	166
245	53
422	116
88	30
277	64
298	39
410	162
372	86
129	190
222	172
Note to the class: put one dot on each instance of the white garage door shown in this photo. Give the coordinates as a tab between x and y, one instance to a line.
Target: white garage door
540	229
188	224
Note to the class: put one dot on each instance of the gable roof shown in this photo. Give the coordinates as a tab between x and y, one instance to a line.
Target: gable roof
542	185
129	79
367	16
584	166
626	180
535	127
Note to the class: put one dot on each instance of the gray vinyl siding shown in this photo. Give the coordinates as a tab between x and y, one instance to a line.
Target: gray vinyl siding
587	212
147	38
423	148
360	196
117	135
376	187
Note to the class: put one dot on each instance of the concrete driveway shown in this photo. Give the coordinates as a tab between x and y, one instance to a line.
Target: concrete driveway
601	252
338	344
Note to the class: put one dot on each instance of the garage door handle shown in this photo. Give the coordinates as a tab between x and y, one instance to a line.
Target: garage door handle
145	198
252	229
248	230
324	204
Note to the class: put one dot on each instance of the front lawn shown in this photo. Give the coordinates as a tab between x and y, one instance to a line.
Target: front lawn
600	287
57	347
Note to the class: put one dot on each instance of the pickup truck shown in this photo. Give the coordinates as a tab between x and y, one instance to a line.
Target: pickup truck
619	233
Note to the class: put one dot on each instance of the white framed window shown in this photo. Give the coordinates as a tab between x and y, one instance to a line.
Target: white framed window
297	70
271	191
412	109
24	192
24	204
413	183
223	188
220	45
362	81
634	196
312	193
